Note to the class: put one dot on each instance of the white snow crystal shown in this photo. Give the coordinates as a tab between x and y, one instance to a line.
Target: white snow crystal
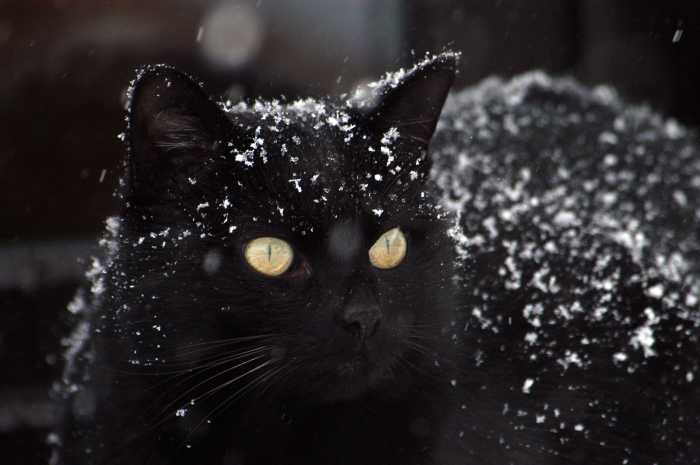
296	182
643	338
656	291
680	198
78	304
608	138
565	219
677	35
212	262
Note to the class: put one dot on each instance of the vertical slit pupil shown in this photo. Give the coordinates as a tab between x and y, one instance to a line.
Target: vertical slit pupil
269	252
388	248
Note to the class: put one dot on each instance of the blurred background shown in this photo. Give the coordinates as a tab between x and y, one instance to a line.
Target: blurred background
65	65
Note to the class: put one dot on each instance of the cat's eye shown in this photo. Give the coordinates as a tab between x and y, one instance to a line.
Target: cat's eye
269	255
389	250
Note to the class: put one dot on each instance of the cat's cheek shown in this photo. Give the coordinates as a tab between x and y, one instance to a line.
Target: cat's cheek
403	321
301	272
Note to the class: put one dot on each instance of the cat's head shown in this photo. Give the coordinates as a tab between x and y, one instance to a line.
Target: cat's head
303	233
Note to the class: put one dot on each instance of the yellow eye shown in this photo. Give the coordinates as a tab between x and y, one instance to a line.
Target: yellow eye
269	255
389	250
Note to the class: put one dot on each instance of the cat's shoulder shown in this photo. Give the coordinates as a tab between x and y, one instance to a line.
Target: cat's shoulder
558	111
538	145
579	228
574	205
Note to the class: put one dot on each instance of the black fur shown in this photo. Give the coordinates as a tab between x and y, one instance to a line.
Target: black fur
516	331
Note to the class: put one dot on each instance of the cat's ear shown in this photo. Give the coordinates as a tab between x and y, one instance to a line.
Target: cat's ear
412	101
173	127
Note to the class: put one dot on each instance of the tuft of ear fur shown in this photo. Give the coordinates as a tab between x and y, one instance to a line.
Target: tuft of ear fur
172	124
412	100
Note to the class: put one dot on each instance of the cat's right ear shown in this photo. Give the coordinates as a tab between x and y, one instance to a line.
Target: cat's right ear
173	128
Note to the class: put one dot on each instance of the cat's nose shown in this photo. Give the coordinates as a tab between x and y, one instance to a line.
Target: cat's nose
361	320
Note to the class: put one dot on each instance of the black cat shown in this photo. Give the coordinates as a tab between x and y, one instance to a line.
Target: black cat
291	283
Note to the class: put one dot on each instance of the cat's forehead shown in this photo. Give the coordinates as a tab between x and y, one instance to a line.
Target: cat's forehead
305	134
313	159
309	116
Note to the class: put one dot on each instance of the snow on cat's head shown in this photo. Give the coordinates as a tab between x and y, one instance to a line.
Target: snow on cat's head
305	227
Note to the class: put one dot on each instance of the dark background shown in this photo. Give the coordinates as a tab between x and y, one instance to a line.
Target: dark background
65	64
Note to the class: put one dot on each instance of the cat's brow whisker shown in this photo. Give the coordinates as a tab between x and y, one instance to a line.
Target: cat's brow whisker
420	140
424	333
419	348
424	339
421	333
423	325
411	122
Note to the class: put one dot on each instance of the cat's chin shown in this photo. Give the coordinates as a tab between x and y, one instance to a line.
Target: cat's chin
353	379
346	389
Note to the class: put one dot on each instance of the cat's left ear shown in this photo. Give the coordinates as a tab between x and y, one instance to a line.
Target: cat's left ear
412	101
174	127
